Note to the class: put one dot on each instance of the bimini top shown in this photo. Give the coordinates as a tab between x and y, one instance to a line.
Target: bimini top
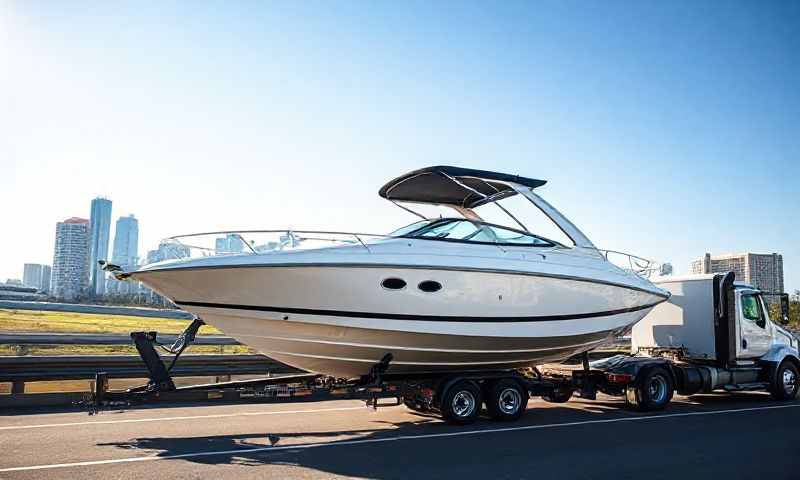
464	187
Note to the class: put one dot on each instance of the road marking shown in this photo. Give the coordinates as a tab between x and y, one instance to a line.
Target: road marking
461	433
190	417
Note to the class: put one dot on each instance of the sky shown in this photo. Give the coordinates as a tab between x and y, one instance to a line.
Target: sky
667	129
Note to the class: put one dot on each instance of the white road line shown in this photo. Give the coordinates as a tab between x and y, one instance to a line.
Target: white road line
460	433
190	417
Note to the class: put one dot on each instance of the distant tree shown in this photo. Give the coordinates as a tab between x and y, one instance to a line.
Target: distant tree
794	310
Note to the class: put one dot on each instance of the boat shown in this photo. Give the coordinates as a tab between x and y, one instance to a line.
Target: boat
442	294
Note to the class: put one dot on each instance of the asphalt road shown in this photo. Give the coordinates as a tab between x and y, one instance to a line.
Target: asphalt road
724	436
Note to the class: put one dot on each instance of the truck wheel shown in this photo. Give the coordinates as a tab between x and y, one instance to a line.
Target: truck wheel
653	391
506	400
558	395
785	382
461	403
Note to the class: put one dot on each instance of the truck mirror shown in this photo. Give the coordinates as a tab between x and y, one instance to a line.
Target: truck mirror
785	309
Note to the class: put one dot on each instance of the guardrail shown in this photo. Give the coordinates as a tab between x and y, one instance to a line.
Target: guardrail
38	368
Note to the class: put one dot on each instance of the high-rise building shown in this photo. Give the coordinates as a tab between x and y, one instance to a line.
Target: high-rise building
763	271
37	275
70	273
32	275
100	232
228	244
126	242
46	271
125	252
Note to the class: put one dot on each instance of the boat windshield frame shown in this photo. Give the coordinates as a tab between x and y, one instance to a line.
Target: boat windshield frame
478	223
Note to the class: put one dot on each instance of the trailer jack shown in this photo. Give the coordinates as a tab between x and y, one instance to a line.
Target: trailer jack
160	379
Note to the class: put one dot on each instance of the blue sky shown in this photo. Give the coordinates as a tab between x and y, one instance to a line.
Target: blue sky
667	129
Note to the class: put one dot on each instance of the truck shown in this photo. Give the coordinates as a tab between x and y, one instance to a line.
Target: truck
714	334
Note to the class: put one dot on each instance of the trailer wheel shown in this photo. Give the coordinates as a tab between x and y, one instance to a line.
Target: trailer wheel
784	384
653	391
461	403
558	395
506	400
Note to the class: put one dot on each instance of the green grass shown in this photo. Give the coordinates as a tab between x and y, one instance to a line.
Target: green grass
43	321
19	350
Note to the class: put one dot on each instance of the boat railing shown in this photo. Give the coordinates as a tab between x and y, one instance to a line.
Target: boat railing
640	266
255	242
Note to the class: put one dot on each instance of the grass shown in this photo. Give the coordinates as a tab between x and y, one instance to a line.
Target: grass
43	321
18	350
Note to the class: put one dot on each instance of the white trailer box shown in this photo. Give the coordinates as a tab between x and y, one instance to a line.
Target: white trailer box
685	321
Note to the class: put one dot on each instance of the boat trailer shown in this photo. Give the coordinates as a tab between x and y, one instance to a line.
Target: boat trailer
301	386
446	393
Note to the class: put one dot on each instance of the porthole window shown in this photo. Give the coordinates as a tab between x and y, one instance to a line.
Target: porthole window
394	284
430	286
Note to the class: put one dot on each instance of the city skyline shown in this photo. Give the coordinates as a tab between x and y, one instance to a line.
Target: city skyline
663	130
126	247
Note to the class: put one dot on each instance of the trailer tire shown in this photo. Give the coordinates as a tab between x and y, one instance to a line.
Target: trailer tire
653	391
558	395
506	399
461	402
784	385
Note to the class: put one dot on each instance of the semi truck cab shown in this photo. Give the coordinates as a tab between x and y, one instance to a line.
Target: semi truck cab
714	334
758	335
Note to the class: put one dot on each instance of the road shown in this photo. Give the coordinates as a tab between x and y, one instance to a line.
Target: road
719	436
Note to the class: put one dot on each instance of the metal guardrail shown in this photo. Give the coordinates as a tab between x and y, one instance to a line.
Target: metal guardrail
25	338
78	367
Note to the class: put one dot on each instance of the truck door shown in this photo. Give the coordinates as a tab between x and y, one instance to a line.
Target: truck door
754	334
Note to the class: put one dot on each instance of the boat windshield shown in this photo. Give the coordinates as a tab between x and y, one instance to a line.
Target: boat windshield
402	231
461	230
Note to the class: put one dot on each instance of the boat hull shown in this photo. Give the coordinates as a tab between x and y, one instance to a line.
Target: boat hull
340	320
347	351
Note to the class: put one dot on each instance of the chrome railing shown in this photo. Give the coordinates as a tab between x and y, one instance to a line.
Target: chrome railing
255	242
640	266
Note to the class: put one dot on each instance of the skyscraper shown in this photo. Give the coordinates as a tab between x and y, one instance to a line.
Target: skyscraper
71	259
46	271
763	271
32	275
126	242
125	252
100	232
37	275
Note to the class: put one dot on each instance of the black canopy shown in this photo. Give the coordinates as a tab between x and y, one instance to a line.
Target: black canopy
435	185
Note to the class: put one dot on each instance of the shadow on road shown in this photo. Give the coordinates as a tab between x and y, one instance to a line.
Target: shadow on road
379	456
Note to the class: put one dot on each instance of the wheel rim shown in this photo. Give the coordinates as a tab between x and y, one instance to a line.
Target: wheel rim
509	401
463	403
789	381
658	388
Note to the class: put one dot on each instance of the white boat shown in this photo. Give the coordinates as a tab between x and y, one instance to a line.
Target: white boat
442	294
